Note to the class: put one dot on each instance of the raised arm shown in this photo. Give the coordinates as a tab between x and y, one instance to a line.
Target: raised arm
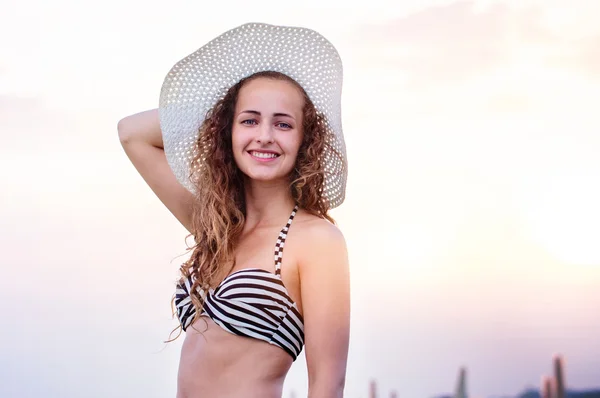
141	139
325	290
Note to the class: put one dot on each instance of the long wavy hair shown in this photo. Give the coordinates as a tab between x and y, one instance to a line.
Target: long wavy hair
219	210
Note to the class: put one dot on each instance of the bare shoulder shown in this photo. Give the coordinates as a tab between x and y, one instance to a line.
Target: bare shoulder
314	230
320	242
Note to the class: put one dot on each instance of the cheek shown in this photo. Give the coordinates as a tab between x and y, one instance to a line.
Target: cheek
298	143
237	145
239	140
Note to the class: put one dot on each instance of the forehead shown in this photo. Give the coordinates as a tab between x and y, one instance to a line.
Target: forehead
270	93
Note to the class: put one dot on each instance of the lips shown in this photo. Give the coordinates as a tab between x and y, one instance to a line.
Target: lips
264	155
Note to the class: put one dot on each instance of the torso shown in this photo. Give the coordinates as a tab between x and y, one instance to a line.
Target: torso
217	363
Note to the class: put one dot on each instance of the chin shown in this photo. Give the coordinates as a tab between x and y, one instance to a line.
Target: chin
265	176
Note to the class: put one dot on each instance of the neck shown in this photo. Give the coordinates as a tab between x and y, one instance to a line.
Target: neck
267	202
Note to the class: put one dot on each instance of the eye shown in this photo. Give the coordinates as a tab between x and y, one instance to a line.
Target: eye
249	121
284	125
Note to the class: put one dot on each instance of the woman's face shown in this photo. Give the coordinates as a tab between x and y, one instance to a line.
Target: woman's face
267	128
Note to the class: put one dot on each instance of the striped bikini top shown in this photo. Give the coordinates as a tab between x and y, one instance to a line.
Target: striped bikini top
250	302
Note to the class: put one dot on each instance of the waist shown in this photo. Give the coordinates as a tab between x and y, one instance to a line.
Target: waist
215	363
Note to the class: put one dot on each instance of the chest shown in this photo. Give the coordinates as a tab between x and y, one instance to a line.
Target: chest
258	249
255	250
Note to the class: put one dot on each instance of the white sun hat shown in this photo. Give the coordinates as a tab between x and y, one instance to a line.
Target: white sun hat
195	84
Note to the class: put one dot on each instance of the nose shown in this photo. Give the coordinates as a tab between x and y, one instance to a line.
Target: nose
265	133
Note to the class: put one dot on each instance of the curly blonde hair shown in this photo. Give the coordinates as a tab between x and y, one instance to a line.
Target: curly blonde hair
219	210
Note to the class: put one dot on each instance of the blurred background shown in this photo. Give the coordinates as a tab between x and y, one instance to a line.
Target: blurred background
471	217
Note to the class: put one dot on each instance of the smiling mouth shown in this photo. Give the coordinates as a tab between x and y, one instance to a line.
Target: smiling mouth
263	155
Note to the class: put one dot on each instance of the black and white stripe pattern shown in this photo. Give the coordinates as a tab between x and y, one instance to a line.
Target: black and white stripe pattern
281	242
251	302
183	302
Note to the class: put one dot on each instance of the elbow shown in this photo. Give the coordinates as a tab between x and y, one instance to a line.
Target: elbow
124	131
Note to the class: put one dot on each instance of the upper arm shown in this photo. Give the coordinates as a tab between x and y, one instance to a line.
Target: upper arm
141	139
325	290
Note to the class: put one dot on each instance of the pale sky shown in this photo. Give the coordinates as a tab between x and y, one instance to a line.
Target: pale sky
471	211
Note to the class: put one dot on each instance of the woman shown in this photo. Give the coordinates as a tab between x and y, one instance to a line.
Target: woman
250	160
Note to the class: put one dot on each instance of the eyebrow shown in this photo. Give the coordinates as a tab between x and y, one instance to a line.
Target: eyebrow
259	114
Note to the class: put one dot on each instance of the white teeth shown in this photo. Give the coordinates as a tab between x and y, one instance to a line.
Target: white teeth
263	155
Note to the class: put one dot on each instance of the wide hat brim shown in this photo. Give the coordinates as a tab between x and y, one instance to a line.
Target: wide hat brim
196	83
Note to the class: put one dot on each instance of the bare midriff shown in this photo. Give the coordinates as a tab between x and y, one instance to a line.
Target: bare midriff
217	364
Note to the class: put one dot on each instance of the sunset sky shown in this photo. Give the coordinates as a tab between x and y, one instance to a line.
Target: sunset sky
471	213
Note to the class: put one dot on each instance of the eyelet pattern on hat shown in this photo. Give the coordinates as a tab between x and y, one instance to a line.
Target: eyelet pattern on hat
197	82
